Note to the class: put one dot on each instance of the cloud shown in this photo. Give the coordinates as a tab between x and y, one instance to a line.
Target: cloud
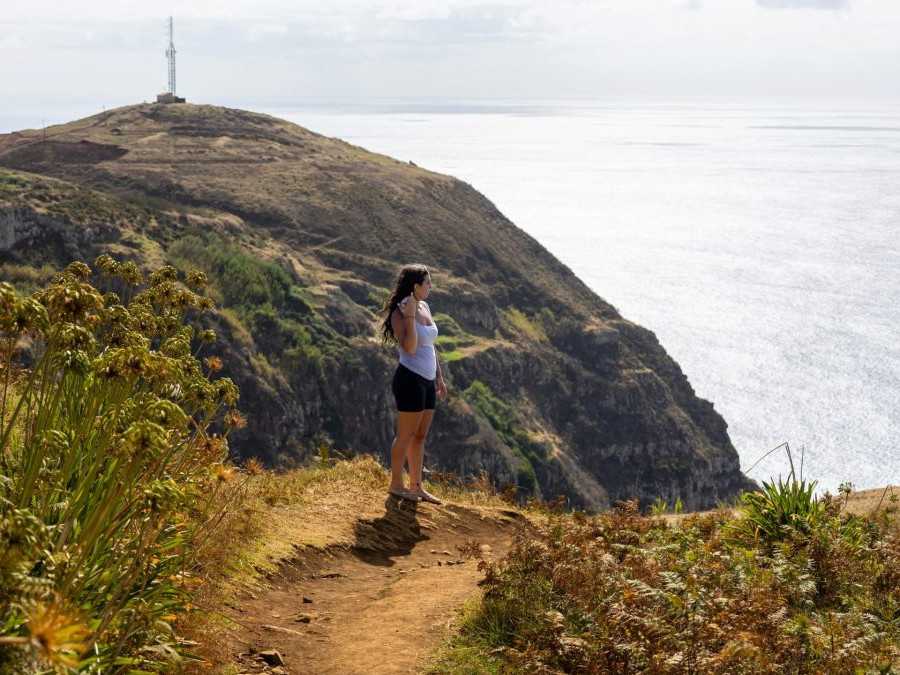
804	4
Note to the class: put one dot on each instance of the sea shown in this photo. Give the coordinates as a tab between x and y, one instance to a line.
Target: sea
759	242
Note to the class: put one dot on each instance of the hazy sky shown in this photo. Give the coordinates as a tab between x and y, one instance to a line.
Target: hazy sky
269	52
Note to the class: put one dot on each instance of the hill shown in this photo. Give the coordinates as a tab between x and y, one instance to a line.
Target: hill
301	235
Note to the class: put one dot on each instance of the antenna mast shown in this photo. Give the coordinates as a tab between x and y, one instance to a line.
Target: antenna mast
170	55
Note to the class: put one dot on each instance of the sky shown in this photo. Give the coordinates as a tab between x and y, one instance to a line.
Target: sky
278	52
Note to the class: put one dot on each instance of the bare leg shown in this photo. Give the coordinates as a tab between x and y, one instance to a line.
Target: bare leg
416	453
407	423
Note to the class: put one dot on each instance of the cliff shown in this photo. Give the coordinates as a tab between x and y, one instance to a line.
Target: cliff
302	236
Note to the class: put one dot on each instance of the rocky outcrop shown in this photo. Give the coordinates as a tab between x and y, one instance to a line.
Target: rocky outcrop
28	236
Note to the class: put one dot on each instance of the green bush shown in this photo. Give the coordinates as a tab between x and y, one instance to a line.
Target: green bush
243	281
779	509
108	476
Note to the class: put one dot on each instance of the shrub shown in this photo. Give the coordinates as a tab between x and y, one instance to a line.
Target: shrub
109	475
624	593
780	508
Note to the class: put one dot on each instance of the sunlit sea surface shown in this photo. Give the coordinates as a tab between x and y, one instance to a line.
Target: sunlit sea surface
759	243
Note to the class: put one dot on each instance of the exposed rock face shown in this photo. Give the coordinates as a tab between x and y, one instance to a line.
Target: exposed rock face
550	387
47	237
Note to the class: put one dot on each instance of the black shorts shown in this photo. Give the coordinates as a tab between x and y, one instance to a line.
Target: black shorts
412	392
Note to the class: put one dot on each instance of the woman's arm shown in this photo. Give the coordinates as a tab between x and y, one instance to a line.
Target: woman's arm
405	331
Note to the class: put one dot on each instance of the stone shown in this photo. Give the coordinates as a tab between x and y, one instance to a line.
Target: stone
272	657
279	629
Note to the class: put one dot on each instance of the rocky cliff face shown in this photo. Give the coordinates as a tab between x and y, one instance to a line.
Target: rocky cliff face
303	235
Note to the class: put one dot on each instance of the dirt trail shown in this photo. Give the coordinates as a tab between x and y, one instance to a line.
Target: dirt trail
379	606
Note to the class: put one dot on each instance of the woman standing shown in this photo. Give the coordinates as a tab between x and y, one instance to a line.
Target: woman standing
418	379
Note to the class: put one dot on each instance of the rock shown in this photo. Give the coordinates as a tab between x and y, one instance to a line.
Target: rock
303	618
272	657
306	599
279	629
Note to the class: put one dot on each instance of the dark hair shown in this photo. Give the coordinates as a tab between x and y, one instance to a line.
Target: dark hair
409	276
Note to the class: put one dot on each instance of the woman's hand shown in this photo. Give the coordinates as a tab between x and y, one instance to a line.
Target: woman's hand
440	388
408	306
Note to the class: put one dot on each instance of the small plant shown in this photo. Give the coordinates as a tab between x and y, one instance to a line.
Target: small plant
770	514
659	507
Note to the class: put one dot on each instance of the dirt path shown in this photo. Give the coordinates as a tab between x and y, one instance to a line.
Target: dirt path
380	606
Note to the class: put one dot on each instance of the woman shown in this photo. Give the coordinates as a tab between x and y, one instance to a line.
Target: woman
418	379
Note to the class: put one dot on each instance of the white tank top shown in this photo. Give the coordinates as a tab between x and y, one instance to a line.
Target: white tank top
424	361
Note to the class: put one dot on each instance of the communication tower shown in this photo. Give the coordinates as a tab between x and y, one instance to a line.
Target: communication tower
170	55
170	96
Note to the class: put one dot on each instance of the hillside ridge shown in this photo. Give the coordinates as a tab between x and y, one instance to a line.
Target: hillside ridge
552	390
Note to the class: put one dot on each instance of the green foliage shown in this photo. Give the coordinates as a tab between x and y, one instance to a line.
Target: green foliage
779	509
243	281
624	593
264	299
449	347
506	422
523	325
452	339
661	506
108	477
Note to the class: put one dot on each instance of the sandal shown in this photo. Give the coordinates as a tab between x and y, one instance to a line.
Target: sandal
402	493
427	497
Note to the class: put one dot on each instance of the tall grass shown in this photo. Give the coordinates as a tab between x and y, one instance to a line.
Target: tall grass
108	473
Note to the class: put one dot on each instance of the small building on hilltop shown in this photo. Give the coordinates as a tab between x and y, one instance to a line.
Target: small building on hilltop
169	97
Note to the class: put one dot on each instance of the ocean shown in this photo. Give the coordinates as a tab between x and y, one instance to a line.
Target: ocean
760	244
